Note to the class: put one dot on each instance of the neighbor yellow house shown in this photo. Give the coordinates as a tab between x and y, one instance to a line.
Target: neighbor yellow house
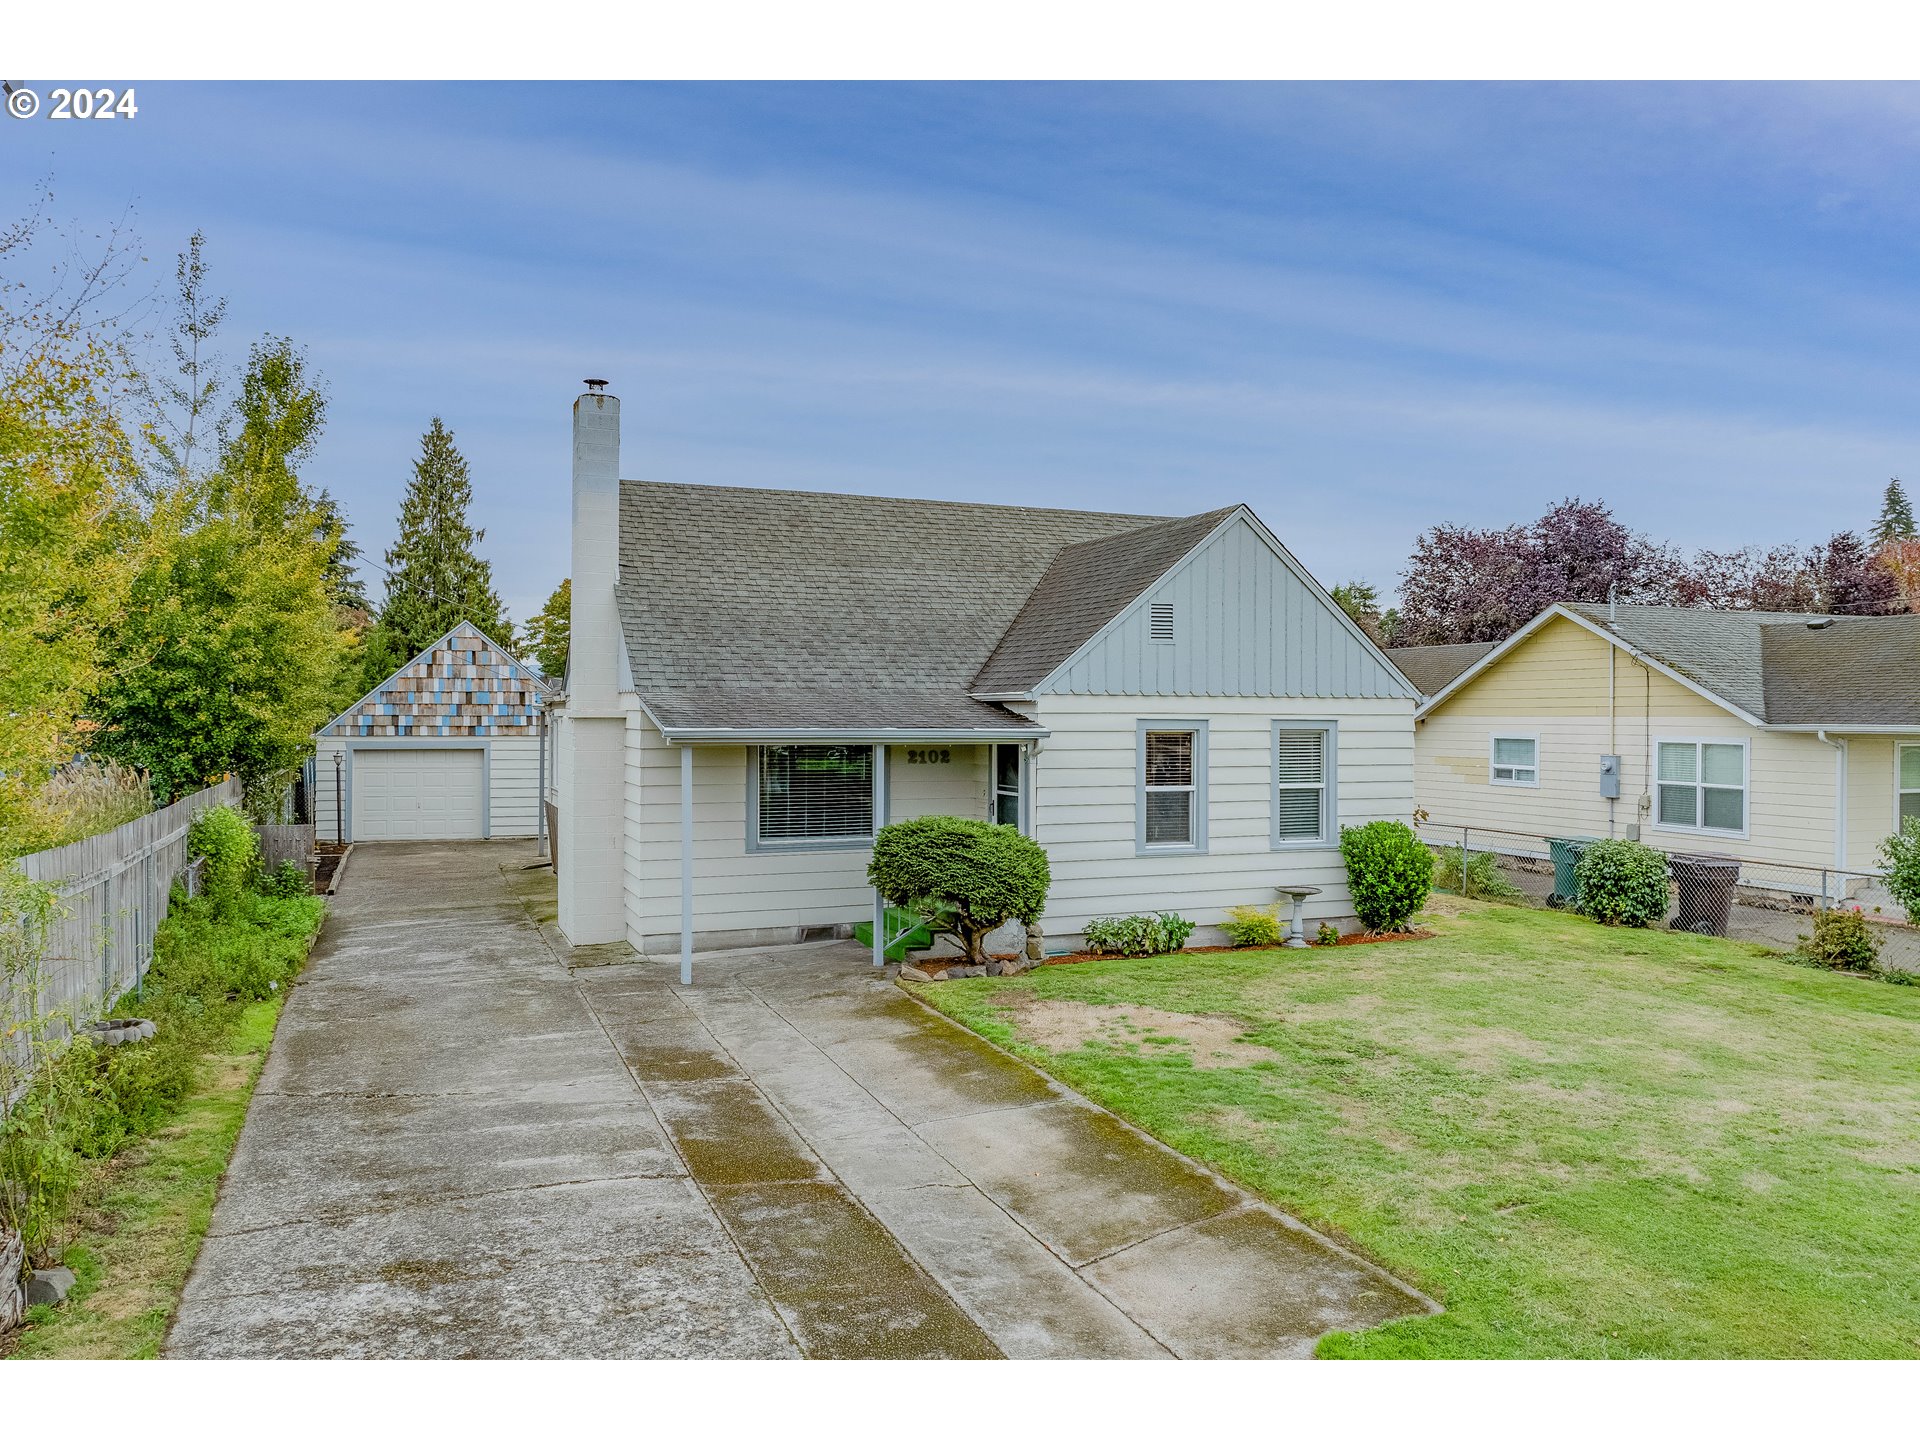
1782	739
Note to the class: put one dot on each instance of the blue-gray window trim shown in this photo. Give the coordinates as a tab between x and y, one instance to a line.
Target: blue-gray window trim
1199	729
400	742
757	846
1329	836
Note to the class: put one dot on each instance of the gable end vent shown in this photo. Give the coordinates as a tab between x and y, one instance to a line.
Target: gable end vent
1160	622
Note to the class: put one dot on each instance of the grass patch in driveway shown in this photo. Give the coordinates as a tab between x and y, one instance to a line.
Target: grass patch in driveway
137	1238
1585	1142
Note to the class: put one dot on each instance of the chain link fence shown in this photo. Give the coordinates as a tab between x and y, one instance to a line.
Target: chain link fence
1751	900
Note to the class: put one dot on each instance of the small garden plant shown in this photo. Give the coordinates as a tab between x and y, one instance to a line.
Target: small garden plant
965	878
1389	874
1841	940
1326	935
1254	925
1137	934
1622	882
286	881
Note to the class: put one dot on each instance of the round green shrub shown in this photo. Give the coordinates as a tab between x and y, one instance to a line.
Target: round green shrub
1389	873
966	878
1622	882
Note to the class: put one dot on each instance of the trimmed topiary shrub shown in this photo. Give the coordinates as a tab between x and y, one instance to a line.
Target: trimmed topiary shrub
1137	934
1622	882
1900	854
1841	940
1256	925
1389	873
965	878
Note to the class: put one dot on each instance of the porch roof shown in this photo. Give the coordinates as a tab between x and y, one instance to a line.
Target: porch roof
840	712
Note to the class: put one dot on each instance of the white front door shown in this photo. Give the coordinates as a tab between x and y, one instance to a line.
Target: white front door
422	793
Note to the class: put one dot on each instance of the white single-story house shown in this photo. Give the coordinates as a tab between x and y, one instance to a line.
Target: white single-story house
759	679
445	748
1785	740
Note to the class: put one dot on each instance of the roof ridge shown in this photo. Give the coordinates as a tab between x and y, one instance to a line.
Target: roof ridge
904	500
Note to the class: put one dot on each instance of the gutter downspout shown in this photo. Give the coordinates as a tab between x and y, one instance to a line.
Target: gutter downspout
1839	802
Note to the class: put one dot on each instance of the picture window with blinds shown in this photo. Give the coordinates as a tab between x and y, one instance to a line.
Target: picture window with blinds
1303	790
1172	800
814	794
1160	622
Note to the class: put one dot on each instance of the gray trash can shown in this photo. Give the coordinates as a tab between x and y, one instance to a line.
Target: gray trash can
1705	891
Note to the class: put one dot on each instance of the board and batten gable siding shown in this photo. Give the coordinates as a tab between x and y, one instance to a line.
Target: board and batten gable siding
1244	623
1554	685
744	896
1087	778
513	782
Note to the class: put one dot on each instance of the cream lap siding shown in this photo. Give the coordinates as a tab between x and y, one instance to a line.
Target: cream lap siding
1243	624
757	897
1872	786
1084	805
1555	686
513	786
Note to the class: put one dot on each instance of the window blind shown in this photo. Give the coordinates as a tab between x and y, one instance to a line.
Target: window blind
1300	783
1169	787
816	792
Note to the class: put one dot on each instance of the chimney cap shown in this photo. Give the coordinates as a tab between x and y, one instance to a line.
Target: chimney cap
596	386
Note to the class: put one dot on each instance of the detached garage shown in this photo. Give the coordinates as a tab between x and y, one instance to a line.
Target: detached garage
445	748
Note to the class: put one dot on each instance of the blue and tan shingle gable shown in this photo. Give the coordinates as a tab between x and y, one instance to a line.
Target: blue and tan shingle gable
460	686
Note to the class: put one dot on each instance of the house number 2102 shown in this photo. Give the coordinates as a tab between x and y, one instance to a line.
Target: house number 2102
929	757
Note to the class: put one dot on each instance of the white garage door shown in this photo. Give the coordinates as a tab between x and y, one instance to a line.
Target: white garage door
418	794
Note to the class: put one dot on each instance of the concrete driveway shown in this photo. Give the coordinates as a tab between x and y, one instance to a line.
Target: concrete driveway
468	1143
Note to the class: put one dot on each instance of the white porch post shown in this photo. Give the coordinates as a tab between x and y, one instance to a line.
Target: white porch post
879	819
686	863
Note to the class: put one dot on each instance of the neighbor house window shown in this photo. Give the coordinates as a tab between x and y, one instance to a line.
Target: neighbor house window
1172	800
1302	783
1909	780
1006	785
1701	785
1515	760
817	793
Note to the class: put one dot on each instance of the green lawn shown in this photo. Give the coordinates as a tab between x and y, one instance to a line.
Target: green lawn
139	1237
1582	1141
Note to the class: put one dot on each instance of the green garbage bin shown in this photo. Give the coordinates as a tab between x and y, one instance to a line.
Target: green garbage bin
1567	850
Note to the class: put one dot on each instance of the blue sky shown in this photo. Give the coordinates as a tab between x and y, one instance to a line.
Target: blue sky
1362	309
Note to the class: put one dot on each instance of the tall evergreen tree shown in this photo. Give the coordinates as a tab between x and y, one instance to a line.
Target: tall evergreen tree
434	578
1896	515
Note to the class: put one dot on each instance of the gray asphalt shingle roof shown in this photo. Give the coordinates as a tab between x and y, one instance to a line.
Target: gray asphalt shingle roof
782	609
1086	586
1849	670
1430	667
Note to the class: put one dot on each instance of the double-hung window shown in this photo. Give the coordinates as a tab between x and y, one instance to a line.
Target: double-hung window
1908	773
1701	785
1303	783
1171	803
1514	760
813	795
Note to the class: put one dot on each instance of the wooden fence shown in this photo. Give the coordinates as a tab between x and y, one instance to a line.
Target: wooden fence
113	891
286	842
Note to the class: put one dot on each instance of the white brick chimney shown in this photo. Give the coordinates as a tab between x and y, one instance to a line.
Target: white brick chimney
593	729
